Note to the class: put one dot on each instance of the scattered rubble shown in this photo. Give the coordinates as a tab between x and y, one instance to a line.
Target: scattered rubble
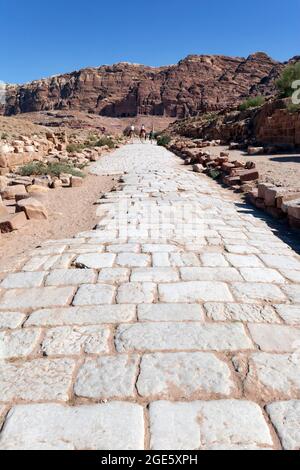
22	191
280	202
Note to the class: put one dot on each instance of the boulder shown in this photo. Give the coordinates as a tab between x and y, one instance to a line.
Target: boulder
248	175
10	192
37	188
32	208
76	181
3	183
11	222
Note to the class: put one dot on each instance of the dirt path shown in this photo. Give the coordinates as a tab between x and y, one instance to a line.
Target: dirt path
70	210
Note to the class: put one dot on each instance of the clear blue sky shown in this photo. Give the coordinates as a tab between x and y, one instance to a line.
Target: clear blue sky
41	37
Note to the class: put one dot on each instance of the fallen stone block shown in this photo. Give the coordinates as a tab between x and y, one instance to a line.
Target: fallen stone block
232	180
227	167
292	208
262	189
76	181
3	183
32	208
11	191
12	222
289	196
248	175
255	150
198	168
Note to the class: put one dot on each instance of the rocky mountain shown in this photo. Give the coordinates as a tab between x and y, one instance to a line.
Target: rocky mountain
196	84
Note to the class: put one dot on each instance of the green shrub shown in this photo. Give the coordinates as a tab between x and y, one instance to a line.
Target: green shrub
293	108
252	103
4	136
105	141
52	169
290	74
72	148
163	140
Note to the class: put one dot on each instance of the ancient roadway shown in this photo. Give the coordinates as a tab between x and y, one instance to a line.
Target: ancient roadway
173	325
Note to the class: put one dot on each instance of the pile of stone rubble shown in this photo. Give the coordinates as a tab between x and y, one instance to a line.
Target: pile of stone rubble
280	202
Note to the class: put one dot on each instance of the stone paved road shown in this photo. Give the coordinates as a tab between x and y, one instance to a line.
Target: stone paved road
174	325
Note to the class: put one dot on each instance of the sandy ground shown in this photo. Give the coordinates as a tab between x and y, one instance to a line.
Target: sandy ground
281	170
71	210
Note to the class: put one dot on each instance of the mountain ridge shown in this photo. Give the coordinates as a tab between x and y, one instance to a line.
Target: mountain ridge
196	84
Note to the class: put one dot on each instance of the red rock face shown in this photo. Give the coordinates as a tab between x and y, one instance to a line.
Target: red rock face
196	84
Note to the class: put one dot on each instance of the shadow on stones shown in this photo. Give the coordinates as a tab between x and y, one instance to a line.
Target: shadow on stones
280	229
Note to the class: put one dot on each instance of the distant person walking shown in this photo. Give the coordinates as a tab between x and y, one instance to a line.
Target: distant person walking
143	133
131	133
152	136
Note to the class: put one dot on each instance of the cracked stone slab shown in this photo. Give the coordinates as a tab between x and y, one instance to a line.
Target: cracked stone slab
210	274
18	343
289	313
96	260
131	260
244	261
181	336
42	297
285	417
82	315
254	291
277	338
183	375
274	376
204	425
36	380
114	275
107	377
136	292
94	294
262	275
154	275
114	426
253	313
67	340
10	320
170	312
67	277
281	262
23	280
194	292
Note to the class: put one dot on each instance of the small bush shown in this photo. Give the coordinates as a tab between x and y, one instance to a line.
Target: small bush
4	136
52	169
252	103
163	140
293	108
105	141
72	148
290	74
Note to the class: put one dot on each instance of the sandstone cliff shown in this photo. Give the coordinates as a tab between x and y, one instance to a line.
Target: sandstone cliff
196	84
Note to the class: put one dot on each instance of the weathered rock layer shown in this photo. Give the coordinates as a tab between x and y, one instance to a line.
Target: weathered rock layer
196	84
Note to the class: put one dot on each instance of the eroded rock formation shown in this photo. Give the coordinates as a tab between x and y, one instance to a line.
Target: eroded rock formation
196	84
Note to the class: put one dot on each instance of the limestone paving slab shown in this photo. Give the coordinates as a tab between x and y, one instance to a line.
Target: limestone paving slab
183	375
107	377
177	295
274	376
205	425
69	340
36	380
82	315
113	426
285	417
170	312
181	336
24	299
18	343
